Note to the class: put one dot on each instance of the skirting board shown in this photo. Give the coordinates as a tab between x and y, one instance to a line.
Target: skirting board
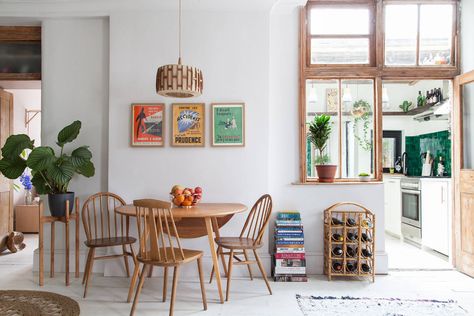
115	267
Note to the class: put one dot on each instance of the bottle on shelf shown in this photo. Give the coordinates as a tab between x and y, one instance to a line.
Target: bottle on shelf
337	266
337	251
419	99
441	98
366	223
435	96
365	267
351	267
351	252
336	221
351	222
440	170
365	237
428	98
366	253
351	237
337	237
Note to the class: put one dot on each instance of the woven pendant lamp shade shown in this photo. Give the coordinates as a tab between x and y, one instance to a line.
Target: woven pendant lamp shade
179	81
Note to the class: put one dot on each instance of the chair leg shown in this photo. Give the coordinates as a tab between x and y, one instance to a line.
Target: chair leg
133	281
165	282
201	280
86	268
150	272
173	289
125	259
139	289
89	270
262	270
229	274
248	265
219	252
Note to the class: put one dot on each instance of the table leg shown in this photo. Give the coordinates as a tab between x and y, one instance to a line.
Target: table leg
215	261
67	251
41	251
51	251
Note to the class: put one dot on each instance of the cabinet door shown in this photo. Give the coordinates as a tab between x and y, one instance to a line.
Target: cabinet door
434	215
392	197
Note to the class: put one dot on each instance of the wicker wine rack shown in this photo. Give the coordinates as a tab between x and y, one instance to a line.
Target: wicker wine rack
362	222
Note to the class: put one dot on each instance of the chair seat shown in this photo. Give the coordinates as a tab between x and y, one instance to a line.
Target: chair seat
110	242
238	243
189	255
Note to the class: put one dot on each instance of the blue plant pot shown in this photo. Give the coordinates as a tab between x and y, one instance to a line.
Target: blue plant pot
57	203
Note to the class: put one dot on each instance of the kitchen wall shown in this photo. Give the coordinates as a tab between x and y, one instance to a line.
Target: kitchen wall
94	67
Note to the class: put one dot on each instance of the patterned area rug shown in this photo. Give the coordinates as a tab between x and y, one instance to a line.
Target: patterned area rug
346	305
29	303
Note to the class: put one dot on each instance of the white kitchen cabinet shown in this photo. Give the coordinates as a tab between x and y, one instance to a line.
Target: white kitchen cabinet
393	205
435	210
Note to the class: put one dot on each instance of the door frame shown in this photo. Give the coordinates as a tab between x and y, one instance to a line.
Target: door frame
457	159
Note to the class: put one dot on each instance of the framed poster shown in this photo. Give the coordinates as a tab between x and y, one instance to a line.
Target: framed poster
187	124
148	124
228	124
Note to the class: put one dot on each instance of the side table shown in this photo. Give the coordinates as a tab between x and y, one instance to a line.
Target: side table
53	219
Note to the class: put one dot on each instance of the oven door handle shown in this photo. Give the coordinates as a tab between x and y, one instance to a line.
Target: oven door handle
414	192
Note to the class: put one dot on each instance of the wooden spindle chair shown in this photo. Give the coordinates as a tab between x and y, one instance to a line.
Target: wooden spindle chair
160	246
105	228
250	239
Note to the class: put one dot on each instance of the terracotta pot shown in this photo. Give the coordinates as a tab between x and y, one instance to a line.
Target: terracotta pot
326	173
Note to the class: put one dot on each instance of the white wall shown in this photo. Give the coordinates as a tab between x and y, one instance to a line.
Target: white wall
246	55
25	99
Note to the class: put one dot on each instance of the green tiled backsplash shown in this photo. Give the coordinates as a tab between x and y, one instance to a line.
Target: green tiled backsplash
439	145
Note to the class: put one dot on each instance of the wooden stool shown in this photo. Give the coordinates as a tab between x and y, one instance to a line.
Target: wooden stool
53	219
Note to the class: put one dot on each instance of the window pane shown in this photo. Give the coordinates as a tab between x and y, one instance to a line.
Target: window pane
340	51
357	127
322	97
327	21
401	24
436	25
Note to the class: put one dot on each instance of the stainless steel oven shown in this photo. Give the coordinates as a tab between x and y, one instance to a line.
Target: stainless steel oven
411	209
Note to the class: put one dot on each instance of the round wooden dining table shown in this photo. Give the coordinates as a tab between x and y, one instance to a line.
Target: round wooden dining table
189	223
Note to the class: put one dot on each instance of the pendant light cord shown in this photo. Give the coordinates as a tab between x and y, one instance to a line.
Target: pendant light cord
179	33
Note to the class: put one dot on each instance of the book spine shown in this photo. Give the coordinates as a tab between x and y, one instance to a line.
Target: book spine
290	243
279	239
288	222
290	256
290	263
289	250
287	230
290	270
290	278
289	217
289	235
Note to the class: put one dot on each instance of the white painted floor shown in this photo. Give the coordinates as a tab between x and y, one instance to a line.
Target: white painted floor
406	256
248	298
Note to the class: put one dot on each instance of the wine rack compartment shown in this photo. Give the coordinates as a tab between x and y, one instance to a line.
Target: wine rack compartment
349	241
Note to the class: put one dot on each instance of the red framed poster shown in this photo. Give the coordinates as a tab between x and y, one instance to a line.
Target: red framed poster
148	124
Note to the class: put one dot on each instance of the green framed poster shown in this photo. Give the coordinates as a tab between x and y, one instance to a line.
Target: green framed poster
228	124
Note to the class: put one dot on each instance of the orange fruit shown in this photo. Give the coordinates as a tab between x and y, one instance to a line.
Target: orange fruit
189	198
179	198
186	203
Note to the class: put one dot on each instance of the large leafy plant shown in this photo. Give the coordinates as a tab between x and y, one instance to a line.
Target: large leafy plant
51	173
319	132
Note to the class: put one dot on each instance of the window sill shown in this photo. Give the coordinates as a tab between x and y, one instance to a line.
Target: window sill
339	183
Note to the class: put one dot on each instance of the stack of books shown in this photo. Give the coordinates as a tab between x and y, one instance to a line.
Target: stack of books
289	262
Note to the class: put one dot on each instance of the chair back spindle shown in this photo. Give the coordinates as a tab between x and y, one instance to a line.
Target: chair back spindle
157	233
258	219
97	218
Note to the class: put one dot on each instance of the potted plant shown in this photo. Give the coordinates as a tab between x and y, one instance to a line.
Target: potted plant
364	177
361	112
51	173
405	106
319	132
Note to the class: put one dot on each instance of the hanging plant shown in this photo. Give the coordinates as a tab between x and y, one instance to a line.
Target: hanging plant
361	112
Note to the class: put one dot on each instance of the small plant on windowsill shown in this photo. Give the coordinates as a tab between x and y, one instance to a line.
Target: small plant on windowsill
364	177
319	133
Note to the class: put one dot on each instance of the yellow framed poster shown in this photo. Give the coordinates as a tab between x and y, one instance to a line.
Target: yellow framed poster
187	124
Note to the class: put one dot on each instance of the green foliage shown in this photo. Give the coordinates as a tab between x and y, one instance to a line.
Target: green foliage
51	173
405	106
364	174
319	132
361	112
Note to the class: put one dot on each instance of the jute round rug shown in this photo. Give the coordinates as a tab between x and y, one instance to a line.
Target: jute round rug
29	303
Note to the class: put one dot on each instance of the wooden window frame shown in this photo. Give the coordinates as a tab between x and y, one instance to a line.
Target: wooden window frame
376	71
454	36
369	4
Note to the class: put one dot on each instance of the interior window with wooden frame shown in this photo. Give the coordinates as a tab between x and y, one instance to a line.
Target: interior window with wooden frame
420	33
340	33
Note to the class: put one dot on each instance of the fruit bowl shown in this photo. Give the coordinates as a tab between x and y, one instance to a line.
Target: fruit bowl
185	197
